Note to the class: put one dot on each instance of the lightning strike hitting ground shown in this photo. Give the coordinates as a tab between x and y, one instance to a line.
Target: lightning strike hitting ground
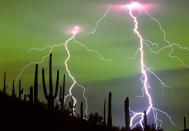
145	69
139	116
73	32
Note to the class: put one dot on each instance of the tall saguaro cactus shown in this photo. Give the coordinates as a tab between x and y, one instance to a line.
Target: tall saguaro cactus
20	91
4	83
105	112
184	123
145	122
109	123
52	95
127	116
36	84
62	94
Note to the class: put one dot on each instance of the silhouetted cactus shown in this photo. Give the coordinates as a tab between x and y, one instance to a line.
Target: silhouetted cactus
109	122
105	112
20	91
62	94
36	84
51	96
13	90
184	123
81	110
30	96
127	116
145	122
4	84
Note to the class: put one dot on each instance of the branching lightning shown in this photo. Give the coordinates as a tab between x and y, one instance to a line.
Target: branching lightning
169	44
73	32
144	78
137	117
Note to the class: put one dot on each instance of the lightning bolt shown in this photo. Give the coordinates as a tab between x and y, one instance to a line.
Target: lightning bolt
169	45
74	32
139	116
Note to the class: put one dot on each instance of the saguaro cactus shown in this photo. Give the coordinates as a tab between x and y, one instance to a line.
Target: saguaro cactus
13	90
184	123
127	116
62	94
51	96
109	123
20	91
4	84
105	112
36	84
145	122
81	110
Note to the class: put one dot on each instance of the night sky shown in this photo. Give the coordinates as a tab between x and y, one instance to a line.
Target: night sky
28	24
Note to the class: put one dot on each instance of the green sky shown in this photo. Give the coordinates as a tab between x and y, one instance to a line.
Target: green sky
25	24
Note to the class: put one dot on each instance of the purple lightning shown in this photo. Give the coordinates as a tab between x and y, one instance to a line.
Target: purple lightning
134	6
143	71
137	117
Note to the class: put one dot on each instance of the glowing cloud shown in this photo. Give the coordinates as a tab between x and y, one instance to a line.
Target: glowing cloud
135	6
75	30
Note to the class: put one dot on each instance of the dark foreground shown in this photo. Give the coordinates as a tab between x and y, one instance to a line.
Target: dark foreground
16	115
25	112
